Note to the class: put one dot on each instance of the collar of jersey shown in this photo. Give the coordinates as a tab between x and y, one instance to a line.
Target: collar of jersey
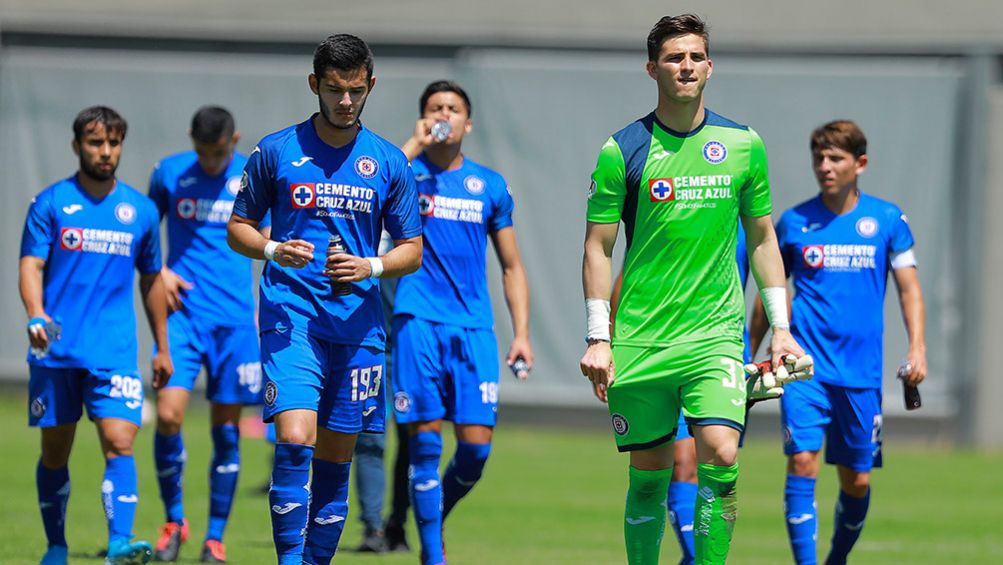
691	133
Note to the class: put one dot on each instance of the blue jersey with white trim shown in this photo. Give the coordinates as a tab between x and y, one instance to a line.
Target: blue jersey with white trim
459	210
91	249
840	265
198	207
314	190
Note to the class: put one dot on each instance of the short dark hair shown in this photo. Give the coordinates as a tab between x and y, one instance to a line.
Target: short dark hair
211	123
110	119
342	52
839	134
444	86
673	26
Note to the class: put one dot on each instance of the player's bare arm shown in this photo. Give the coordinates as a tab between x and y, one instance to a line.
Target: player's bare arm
242	236
155	303
174	287
516	287
914	315
597	278
403	259
29	281
420	139
768	269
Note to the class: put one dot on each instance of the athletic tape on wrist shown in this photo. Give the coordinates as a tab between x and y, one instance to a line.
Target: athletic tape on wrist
269	250
775	304
376	265
597	317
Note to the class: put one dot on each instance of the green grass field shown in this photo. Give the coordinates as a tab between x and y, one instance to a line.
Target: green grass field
548	496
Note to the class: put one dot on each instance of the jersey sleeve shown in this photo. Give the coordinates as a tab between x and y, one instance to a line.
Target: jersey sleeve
257	186
608	190
755	195
148	261
502	208
158	192
901	236
37	237
400	215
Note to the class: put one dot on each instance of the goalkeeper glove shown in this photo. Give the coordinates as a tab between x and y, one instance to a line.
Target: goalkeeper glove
763	384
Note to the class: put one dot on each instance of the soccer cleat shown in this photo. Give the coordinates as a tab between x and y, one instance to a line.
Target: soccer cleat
394	537
55	555
375	541
172	535
124	552
213	551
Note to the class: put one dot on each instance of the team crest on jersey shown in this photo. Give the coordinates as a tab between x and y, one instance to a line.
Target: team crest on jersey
125	213
661	190
71	239
366	166
402	402
271	393
867	226
245	180
620	425
303	194
813	255
426	204
186	208
715	152
592	189
234	184
38	407
474	185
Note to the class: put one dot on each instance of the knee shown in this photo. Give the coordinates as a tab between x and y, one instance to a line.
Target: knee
803	464
56	452
856	484
298	436
169	419
117	446
725	455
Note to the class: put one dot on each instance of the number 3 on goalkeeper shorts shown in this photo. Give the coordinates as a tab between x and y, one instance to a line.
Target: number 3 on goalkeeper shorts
366	382
734	371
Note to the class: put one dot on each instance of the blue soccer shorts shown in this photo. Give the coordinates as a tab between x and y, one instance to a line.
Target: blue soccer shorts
848	418
57	395
342	383
229	354
442	371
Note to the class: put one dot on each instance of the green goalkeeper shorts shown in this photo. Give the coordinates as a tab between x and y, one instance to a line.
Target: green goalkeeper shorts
703	379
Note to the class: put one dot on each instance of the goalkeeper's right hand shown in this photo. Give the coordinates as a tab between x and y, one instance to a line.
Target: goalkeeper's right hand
763	384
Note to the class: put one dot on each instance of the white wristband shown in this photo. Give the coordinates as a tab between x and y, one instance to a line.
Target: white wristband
376	266
775	305
597	318
269	250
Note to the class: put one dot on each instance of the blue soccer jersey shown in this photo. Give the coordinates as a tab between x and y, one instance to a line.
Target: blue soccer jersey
840	266
459	209
91	250
742	257
197	207
314	190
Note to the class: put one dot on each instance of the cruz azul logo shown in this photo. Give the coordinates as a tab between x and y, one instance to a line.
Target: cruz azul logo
303	194
661	190
87	240
331	198
204	210
714	152
450	208
366	167
840	257
71	239
813	255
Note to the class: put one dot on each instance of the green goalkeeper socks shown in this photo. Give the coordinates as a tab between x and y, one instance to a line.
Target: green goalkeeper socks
717	506
644	516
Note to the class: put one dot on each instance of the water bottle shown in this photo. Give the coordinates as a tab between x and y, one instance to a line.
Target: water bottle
910	393
441	130
335	245
520	368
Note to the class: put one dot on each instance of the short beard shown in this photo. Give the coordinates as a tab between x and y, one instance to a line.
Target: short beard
94	173
326	113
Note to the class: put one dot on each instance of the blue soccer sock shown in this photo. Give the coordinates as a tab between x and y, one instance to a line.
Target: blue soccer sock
53	493
289	499
463	472
119	492
328	510
426	494
169	456
223	472
802	521
681	501
850	514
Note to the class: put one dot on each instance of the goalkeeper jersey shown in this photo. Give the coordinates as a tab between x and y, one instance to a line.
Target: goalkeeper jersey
679	196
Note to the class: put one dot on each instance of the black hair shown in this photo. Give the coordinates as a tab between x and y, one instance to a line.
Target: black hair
342	52
673	26
212	123
110	119
443	86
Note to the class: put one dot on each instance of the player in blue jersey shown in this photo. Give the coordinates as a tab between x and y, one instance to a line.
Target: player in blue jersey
209	294
445	351
839	248
330	185
83	239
